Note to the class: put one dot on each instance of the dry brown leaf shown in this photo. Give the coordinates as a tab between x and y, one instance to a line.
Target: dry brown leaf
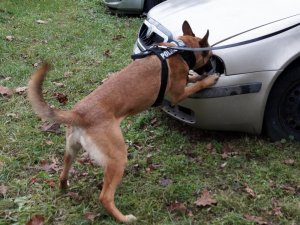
250	192
36	220
165	181
9	38
50	167
177	207
6	92
73	195
288	188
21	90
256	219
49	142
107	53
51	183
6	78
12	115
3	190
37	63
33	180
90	215
118	37
58	84
41	21
205	199
62	98
290	162
50	127
211	149
68	74
228	151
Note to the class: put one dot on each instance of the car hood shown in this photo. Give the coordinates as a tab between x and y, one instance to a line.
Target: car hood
224	19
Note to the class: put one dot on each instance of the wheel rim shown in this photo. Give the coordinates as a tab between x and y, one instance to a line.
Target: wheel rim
290	109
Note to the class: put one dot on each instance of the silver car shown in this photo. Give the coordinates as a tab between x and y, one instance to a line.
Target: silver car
259	86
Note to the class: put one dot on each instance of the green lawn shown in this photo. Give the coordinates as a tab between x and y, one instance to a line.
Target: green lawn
251	180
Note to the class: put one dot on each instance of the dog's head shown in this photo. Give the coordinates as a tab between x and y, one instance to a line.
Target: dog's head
191	41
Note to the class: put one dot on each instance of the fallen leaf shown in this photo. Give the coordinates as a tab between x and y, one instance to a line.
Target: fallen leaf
21	90
177	207
211	149
288	188
165	181
152	167
12	115
5	78
107	53
205	199
50	167
249	191
223	165
75	196
41	21
228	151
9	38
90	215
36	220
51	183
5	92
58	84
118	37
3	189
85	159
256	219
290	162
50	127
62	98
153	121
49	142
37	63
33	180
68	74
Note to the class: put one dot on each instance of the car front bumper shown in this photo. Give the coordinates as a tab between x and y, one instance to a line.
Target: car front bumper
235	103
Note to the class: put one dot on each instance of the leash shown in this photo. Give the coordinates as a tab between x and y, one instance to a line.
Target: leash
182	48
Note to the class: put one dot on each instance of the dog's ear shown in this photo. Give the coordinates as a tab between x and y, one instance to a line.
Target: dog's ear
186	29
204	40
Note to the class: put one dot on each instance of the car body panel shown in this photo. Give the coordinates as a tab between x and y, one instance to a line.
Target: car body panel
222	18
257	56
125	6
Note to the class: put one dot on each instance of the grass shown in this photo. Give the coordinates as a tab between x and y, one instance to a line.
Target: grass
168	161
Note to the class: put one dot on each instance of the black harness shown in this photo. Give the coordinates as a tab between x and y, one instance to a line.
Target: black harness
163	53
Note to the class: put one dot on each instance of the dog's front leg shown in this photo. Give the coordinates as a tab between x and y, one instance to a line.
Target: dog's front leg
195	87
194	77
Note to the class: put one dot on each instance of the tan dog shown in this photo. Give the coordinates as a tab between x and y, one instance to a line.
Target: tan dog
94	122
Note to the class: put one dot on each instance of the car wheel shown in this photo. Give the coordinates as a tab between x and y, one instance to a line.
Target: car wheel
282	117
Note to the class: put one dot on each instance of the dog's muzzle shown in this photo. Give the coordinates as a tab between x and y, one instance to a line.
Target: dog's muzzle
207	68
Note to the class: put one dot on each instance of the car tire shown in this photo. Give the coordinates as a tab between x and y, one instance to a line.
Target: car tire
282	116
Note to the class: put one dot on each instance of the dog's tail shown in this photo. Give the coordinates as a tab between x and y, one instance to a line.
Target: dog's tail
41	108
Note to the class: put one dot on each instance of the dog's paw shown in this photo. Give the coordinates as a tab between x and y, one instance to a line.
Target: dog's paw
130	219
63	185
211	79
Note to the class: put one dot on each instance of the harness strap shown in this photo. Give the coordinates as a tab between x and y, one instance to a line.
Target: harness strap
164	77
189	57
163	52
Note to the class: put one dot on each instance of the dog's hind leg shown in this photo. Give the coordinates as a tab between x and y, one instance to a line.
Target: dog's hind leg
112	155
72	147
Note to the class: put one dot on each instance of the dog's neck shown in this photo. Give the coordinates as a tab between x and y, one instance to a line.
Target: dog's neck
188	56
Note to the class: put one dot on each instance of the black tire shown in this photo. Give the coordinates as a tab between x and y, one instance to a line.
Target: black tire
282	116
